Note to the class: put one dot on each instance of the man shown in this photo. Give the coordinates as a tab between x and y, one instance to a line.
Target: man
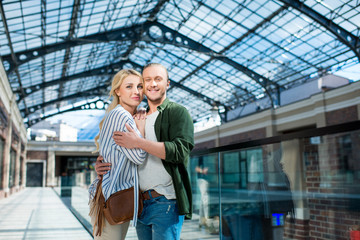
202	181
163	177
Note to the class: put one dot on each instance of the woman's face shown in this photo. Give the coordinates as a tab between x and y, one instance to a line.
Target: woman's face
130	92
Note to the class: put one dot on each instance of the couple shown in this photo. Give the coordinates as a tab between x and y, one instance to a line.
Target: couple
152	156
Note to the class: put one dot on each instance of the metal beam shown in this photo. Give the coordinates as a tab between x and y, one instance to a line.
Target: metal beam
204	98
98	71
12	55
43	43
344	36
96	91
108	70
270	92
170	36
105	70
210	73
153	32
85	106
156	9
21	57
71	34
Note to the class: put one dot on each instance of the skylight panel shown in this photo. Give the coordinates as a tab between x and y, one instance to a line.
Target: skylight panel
10	8
14	21
100	6
321	8
32	43
283	49
185	6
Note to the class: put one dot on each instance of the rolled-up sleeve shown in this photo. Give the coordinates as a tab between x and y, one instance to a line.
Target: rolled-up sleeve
181	136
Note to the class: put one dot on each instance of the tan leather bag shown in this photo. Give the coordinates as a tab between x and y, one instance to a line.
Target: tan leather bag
119	208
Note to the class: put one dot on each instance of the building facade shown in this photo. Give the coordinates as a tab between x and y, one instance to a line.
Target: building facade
13	141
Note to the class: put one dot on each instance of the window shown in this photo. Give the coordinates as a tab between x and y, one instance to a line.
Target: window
244	166
209	162
2	143
231	167
345	153
21	171
255	165
235	168
12	168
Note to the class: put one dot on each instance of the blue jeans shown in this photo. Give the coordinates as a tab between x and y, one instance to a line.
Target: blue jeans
159	220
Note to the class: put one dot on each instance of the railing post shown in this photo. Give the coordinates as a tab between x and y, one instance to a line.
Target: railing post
219	186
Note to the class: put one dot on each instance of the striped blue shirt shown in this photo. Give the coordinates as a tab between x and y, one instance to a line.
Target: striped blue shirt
124	161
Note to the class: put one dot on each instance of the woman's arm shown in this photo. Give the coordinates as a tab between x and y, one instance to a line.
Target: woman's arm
116	121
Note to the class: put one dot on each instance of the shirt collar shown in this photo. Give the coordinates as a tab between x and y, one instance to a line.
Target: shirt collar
162	106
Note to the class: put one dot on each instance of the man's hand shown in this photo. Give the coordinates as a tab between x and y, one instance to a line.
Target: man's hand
126	139
100	167
202	170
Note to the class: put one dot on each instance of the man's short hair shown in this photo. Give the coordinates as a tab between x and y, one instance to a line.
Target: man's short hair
159	65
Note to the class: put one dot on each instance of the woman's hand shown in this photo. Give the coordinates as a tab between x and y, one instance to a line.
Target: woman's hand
140	120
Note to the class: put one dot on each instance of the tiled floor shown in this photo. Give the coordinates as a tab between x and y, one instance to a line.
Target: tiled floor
39	213
190	230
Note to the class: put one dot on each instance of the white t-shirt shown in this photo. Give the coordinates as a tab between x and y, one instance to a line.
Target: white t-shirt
152	173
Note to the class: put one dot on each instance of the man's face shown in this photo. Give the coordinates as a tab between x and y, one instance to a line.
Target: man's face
156	83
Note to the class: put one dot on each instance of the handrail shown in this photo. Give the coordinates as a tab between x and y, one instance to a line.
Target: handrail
333	129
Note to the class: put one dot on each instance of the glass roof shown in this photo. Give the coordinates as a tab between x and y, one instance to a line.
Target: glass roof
226	53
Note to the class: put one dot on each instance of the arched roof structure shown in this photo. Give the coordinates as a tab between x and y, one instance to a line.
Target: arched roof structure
61	55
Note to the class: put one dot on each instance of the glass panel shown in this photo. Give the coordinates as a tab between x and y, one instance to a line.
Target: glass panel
205	185
276	191
332	177
77	173
300	183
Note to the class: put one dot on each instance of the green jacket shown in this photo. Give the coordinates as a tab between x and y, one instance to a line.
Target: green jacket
175	128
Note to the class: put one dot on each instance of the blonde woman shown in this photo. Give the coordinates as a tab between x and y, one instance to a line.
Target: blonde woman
127	93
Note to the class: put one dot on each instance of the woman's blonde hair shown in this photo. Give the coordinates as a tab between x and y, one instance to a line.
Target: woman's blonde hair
116	83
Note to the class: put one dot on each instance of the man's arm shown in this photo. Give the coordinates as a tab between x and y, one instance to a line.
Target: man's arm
179	139
132	140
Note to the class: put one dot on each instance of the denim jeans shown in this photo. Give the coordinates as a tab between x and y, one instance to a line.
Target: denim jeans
159	220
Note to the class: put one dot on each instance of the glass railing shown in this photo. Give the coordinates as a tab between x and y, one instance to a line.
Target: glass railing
302	185
243	194
74	193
